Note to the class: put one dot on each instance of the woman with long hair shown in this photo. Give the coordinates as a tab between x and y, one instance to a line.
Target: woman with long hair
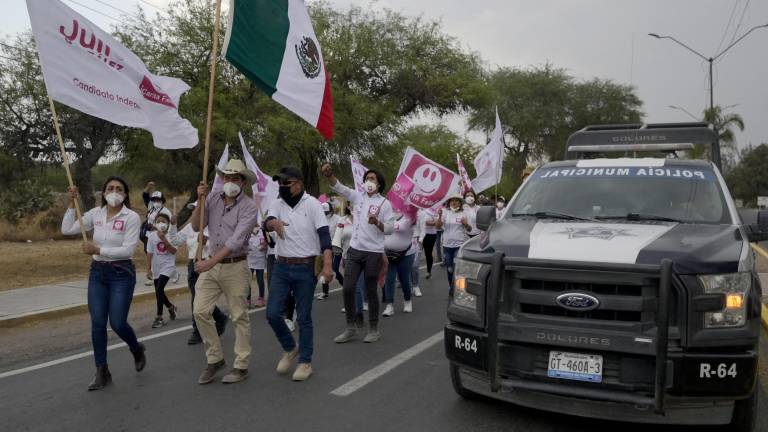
112	278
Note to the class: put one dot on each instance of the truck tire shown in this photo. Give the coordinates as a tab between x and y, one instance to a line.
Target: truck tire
745	414
457	386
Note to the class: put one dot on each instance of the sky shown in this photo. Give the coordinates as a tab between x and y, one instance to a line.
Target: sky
588	38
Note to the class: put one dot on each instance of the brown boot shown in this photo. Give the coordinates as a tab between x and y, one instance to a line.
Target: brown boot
102	378
210	372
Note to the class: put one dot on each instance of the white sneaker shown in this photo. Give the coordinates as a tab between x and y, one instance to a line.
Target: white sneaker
176	277
417	291
388	310
365	306
291	325
343	310
408	307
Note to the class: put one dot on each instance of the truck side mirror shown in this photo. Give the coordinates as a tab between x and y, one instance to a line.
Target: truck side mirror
755	224
486	215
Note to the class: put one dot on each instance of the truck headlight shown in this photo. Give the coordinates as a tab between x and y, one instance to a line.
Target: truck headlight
735	288
465	272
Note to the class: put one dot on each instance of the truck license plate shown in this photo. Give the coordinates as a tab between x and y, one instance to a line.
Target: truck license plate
573	366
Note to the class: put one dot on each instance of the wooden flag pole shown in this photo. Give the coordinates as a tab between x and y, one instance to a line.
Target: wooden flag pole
65	158
211	82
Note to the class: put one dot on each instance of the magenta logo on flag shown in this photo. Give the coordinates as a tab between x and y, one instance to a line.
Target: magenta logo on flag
150	93
431	182
261	181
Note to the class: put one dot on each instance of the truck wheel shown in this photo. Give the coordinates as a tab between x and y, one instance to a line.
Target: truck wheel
745	414
457	386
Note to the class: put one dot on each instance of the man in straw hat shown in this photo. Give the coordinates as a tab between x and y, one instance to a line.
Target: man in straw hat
230	217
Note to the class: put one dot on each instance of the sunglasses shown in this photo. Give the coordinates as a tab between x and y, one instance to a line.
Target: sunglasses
288	182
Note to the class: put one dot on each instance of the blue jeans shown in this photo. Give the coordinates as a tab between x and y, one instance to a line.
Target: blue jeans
299	280
449	254
110	292
402	270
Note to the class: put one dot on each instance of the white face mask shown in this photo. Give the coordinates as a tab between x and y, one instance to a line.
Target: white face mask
114	199
500	205
161	226
470	200
231	189
370	186
157	205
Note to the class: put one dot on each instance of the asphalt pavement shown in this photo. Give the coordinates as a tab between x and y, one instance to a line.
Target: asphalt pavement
400	383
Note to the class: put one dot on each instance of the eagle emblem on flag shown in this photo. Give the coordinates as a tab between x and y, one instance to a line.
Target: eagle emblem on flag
309	57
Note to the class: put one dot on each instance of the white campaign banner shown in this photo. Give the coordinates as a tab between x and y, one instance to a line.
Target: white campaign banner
89	70
265	190
358	171
490	160
218	181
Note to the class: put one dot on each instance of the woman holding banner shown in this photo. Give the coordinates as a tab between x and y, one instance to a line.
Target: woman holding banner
112	278
372	221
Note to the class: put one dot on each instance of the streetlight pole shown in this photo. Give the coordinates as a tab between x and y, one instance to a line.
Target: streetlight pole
711	60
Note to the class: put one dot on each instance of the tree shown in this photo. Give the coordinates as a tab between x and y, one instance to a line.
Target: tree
385	68
724	124
540	107
748	180
26	125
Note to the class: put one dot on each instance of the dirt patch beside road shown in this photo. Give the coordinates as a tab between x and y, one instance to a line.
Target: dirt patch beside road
23	265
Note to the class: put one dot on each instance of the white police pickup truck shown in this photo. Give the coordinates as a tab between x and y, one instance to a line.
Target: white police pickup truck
620	288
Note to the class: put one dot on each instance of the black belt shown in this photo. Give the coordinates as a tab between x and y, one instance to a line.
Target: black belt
291	260
232	260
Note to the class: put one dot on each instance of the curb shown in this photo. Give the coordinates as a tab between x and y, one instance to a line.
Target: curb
65	311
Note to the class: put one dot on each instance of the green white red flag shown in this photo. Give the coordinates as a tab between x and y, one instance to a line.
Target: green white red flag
272	42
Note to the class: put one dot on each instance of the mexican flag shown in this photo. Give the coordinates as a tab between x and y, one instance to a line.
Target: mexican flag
272	42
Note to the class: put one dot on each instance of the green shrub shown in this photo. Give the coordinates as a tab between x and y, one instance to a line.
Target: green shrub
24	198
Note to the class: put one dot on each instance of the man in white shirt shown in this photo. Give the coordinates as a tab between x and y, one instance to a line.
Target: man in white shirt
373	219
303	234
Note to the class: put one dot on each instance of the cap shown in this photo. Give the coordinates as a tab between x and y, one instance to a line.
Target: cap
157	195
287	173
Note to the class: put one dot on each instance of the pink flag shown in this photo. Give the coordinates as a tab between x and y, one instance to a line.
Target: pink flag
399	195
358	171
433	183
466	183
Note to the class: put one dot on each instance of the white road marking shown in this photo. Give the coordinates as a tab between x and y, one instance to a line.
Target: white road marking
368	377
115	346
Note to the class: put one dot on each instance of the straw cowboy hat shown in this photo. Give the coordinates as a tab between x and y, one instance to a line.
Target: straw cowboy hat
236	166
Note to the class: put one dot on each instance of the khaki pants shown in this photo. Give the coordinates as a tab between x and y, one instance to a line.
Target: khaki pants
232	281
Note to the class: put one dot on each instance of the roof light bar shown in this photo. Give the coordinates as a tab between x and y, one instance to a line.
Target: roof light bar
630	147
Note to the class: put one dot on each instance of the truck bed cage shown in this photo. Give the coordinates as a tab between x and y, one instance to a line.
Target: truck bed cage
638	137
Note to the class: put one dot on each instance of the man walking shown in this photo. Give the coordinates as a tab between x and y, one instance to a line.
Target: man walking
230	217
302	230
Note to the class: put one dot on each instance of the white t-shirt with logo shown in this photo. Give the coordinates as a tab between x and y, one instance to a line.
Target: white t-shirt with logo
402	236
454	233
163	260
471	212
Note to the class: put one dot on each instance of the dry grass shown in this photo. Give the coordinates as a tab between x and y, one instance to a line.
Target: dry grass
54	261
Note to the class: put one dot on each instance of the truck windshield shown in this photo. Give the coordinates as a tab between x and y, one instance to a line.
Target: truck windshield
685	194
